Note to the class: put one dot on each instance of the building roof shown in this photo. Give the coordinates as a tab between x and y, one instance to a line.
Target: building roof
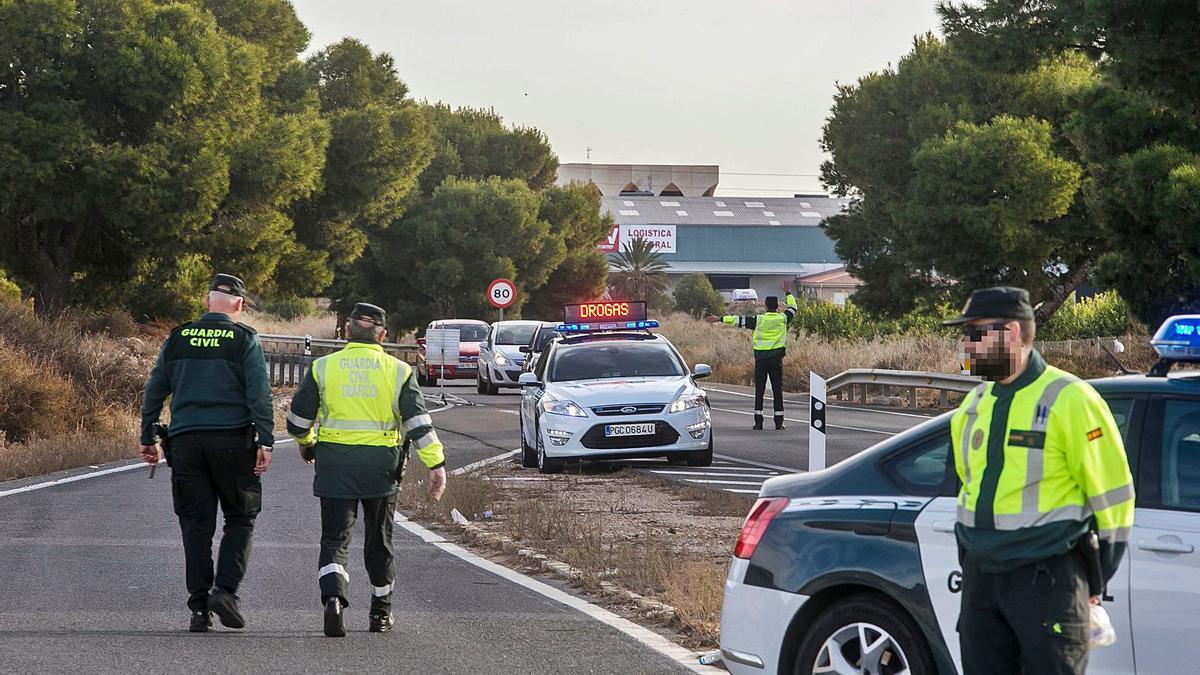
834	277
733	267
769	211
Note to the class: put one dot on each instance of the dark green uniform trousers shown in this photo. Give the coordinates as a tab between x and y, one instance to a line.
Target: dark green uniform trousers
768	365
337	522
211	468
1032	620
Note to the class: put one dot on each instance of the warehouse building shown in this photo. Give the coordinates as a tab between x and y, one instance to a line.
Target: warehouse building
737	243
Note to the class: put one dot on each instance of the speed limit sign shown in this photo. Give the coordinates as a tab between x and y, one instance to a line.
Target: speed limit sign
502	293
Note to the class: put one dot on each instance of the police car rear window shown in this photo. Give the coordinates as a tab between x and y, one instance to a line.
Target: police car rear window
617	359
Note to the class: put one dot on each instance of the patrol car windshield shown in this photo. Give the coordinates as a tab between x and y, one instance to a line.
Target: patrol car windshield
616	359
515	335
469	332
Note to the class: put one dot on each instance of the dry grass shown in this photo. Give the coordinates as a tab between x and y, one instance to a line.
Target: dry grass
67	394
322	325
46	455
728	351
655	538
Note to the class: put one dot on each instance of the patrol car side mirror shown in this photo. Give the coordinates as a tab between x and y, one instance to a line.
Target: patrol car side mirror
525	349
702	370
528	380
483	345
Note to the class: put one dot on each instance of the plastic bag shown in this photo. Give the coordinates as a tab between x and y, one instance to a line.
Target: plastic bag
1102	633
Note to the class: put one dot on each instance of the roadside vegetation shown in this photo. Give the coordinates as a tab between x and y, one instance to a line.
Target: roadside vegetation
69	388
659	539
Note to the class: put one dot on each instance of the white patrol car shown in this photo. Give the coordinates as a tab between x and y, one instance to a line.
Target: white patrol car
611	389
854	569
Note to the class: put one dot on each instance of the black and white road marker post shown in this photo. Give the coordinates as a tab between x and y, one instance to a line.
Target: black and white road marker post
816	424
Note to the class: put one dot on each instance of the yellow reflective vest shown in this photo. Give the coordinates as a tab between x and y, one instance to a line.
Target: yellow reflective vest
770	328
1039	459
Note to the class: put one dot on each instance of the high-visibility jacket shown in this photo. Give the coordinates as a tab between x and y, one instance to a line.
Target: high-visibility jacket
770	328
362	396
1039	460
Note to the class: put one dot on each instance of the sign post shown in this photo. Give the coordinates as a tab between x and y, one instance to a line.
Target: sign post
441	345
502	293
816	417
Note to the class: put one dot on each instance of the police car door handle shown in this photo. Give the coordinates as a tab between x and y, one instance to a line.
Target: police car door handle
1161	545
946	526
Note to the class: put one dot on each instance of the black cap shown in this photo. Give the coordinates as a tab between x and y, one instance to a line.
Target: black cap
365	311
1001	302
228	284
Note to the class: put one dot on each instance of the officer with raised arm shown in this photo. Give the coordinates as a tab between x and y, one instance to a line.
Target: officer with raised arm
351	416
770	341
221	435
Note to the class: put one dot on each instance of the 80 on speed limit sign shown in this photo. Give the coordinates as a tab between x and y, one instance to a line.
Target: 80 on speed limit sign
502	293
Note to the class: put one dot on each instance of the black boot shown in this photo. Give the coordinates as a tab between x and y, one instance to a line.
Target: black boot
758	420
334	627
381	622
201	621
779	423
224	605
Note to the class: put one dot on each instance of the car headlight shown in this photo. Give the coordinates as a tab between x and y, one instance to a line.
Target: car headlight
568	408
687	402
501	360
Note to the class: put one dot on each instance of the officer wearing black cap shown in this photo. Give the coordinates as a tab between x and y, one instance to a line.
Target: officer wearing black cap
1046	504
220	441
355	411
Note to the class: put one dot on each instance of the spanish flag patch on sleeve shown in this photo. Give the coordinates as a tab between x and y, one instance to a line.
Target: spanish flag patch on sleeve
1095	433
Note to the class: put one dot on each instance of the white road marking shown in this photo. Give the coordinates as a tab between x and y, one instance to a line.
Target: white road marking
745	395
72	479
834	426
777	467
484	462
645	636
725	482
714	475
741	492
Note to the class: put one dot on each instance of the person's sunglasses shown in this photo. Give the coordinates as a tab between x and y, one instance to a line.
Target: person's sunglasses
976	333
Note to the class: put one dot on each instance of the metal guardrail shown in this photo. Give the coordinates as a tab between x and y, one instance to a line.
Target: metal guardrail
858	380
289	356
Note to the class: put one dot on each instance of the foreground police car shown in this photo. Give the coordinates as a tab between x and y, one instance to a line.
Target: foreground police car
855	569
610	389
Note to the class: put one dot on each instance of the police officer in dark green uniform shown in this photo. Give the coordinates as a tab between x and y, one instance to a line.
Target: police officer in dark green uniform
1046	502
352	415
220	440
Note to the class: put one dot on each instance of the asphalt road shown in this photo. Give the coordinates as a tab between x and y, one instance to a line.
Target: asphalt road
493	421
93	582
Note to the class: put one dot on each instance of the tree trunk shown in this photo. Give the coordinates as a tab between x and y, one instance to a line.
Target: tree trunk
52	251
1058	293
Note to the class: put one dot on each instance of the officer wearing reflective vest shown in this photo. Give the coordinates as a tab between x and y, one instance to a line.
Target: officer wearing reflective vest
770	339
1043	471
218	445
351	416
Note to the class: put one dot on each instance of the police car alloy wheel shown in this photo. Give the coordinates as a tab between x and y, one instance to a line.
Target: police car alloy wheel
864	634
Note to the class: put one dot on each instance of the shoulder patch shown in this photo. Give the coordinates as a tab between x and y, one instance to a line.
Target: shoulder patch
1095	434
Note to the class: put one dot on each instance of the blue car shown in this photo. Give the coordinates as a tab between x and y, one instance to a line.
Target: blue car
855	569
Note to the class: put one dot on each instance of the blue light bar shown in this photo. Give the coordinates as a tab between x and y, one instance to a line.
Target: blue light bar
1178	338
605	326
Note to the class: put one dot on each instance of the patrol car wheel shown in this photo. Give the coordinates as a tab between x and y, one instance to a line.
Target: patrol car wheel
544	463
702	457
864	634
529	455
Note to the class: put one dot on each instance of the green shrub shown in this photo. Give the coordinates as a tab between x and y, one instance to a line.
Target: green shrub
1102	316
9	290
819	318
291	308
694	294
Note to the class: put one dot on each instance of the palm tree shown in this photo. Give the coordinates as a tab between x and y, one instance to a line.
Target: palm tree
640	272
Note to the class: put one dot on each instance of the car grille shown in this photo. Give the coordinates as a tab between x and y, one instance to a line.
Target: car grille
638	409
664	434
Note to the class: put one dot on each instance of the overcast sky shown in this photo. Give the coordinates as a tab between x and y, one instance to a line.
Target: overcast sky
744	84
